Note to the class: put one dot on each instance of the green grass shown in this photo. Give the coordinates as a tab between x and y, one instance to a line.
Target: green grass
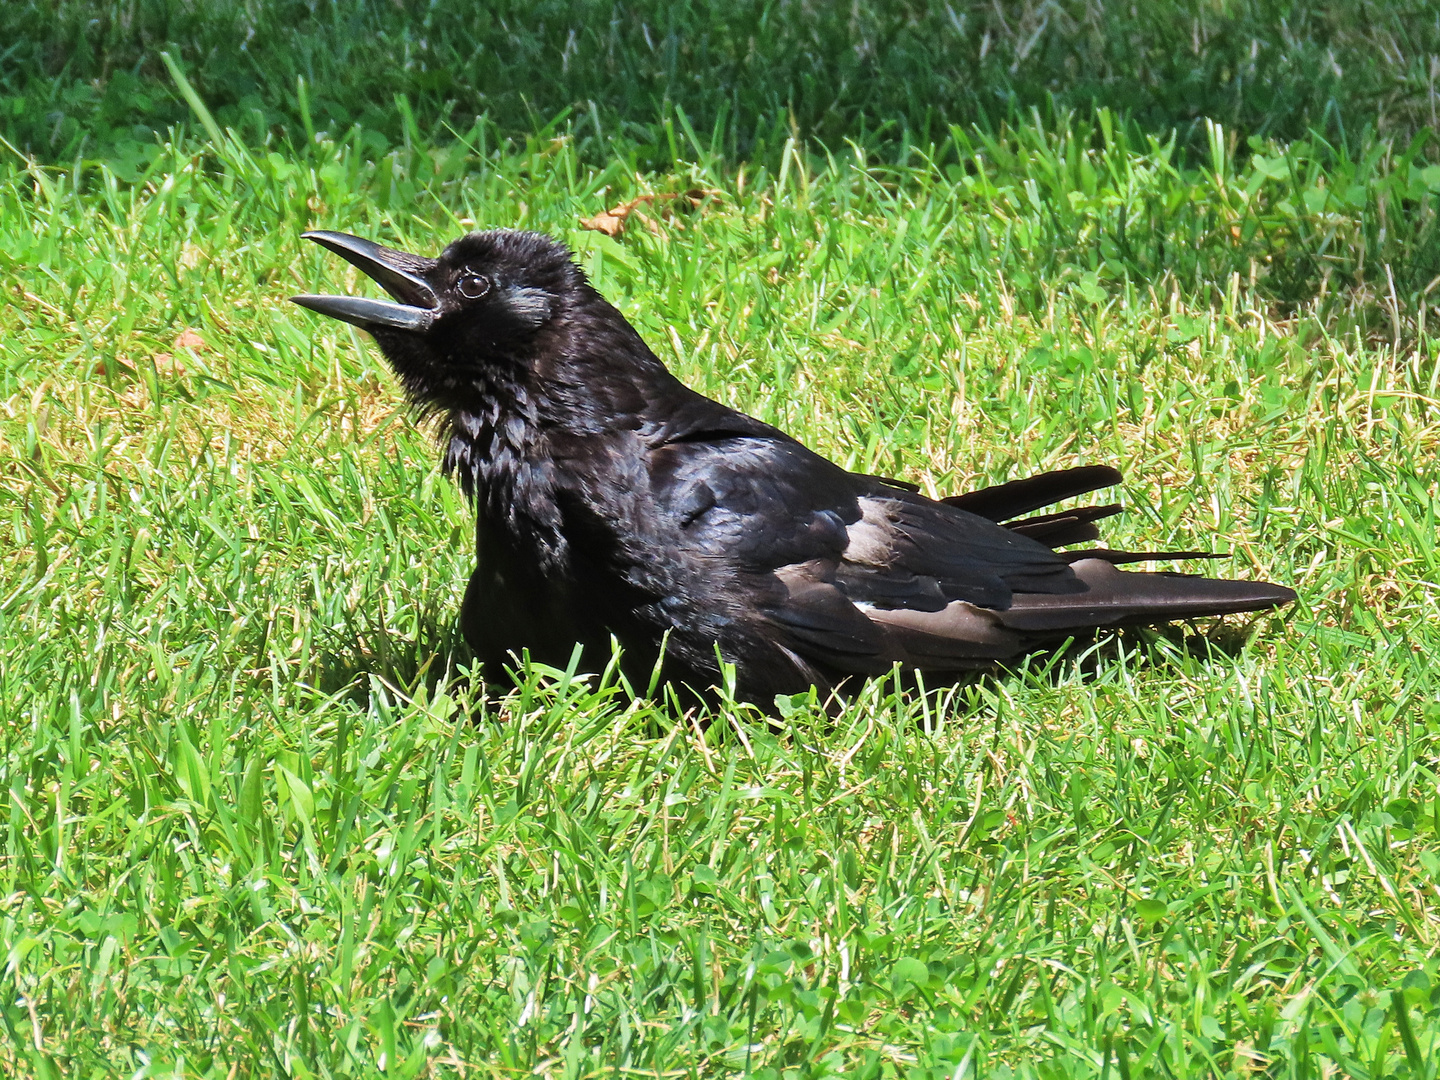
85	76
261	824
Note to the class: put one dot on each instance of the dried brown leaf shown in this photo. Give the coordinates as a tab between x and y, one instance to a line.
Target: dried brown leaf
612	222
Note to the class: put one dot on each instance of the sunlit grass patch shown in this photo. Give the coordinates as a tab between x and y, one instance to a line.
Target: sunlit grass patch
261	820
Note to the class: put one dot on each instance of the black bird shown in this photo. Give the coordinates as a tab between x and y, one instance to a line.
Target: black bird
613	500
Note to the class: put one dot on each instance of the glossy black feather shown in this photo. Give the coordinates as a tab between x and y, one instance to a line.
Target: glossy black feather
612	501
1002	502
1065	527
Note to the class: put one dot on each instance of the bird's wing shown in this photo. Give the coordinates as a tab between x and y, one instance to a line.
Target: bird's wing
854	574
820	550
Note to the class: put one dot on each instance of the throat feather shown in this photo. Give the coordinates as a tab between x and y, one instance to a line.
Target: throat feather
500	458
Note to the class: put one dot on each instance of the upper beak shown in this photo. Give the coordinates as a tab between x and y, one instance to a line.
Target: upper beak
402	275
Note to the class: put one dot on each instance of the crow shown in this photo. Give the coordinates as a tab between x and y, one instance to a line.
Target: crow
613	502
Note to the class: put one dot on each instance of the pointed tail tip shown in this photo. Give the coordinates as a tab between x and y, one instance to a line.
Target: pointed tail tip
1256	595
1199	597
1276	595
1238	597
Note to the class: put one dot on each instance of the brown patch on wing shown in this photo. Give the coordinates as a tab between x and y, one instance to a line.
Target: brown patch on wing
959	634
871	539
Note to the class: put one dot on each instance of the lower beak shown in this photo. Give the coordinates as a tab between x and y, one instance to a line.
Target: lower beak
402	275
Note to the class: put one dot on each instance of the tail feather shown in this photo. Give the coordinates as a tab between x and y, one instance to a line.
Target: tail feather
1117	596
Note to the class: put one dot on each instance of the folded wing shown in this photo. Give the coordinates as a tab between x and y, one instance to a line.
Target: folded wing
967	581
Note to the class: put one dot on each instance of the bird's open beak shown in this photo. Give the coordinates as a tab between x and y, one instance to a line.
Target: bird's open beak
400	274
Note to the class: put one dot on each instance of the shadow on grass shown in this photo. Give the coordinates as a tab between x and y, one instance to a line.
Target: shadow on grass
430	654
1155	646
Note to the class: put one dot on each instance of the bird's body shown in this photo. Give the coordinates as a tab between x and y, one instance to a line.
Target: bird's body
613	501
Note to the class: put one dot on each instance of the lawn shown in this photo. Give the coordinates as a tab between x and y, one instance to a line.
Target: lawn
261	822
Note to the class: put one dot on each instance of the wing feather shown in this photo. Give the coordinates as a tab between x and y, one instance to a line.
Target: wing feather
1009	500
850	573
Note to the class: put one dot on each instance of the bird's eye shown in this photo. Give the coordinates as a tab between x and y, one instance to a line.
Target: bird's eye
472	286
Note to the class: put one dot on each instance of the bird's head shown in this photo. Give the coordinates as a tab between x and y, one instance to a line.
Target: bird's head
484	301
